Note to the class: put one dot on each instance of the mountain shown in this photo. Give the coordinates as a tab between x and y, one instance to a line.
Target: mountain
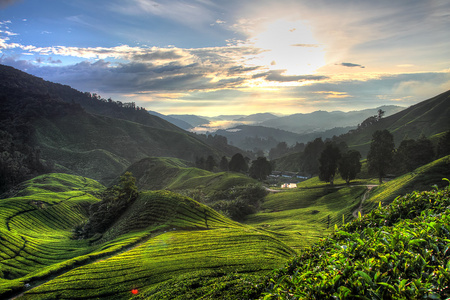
258	118
15	83
426	118
323	120
46	126
192	120
249	137
177	122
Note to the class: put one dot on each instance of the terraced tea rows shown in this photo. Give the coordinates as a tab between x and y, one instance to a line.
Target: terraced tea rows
36	225
162	236
301	217
164	258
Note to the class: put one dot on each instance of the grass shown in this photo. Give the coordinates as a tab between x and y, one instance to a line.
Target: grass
301	217
164	258
157	173
423	178
394	252
162	239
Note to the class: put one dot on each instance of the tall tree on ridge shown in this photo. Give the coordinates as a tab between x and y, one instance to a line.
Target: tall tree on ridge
381	153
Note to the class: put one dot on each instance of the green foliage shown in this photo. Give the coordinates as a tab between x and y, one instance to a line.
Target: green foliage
328	161
223	165
115	200
421	179
394	252
310	158
350	165
260	168
300	217
238	202
412	154
381	153
443	147
238	163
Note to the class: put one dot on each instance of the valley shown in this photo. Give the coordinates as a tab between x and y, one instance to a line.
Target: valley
105	200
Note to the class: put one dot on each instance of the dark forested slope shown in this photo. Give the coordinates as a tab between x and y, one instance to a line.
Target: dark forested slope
50	127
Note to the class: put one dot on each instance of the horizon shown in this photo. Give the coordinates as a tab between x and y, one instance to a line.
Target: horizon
209	58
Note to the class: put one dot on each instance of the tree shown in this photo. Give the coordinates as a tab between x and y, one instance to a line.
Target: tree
310	157
114	202
443	147
223	165
350	165
329	162
412	154
238	163
210	163
381	152
260	168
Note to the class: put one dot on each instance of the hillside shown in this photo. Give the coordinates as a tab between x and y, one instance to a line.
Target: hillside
18	84
154	173
47	126
102	148
164	245
394	252
426	118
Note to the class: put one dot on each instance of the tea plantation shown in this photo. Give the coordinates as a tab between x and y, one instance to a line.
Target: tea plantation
169	246
400	251
161	240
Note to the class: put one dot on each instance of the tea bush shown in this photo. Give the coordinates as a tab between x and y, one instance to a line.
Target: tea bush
396	252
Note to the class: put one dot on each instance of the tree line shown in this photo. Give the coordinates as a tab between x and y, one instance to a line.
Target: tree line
382	158
258	168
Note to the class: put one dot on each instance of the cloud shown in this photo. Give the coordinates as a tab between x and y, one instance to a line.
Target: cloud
188	13
277	75
350	65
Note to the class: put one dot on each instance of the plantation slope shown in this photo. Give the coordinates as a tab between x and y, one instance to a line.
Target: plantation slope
154	173
423	178
100	147
169	210
159	266
157	173
399	251
36	224
301	217
213	182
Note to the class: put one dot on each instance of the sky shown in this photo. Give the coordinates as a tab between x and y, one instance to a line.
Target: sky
211	57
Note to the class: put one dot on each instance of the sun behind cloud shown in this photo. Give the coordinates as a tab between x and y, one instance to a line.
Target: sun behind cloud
290	46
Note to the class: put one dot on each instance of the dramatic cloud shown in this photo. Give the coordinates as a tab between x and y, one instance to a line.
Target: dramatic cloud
203	55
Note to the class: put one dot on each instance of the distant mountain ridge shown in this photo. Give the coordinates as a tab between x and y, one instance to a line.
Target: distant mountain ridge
323	120
308	125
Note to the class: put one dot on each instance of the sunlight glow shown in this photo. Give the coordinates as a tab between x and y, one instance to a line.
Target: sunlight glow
291	46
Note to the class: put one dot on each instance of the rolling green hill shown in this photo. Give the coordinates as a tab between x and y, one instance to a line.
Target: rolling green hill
421	179
155	173
164	245
101	148
426	118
